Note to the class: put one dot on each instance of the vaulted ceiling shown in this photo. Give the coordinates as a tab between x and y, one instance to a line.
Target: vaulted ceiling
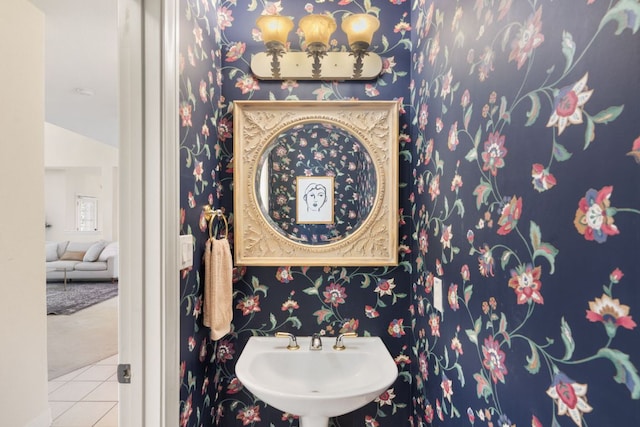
81	66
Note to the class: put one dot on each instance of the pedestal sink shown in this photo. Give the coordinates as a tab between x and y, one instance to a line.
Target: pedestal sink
316	384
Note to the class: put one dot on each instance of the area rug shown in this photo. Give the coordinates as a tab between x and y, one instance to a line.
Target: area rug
77	295
83	338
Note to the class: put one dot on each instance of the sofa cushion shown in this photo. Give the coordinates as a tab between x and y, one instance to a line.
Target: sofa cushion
94	251
72	256
79	246
51	250
90	266
110	250
61	265
62	247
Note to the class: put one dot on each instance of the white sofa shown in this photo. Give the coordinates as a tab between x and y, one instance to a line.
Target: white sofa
82	260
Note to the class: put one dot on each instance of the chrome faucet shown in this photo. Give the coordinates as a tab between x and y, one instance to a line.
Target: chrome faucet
316	342
339	345
293	343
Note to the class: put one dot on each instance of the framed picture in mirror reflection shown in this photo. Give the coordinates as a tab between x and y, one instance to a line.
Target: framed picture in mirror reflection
314	199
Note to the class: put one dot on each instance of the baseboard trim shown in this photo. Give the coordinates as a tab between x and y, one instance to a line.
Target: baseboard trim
42	420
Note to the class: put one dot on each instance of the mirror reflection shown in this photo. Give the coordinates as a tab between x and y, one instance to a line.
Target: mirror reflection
316	183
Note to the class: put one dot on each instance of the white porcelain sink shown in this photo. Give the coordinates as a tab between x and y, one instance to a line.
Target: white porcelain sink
316	384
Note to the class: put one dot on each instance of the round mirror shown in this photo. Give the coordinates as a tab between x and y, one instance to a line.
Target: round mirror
315	183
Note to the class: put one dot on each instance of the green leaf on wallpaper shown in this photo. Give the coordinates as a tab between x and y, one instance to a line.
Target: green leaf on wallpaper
608	115
323	315
626	13
473	333
459	206
257	287
505	38
533	361
385	43
535	236
460	374
560	153
534	112
503	109
502	329
366	281
406	43
476	138
295	322
310	291
482	192
568	49
188	307
233	72
274	322
467	117
504	259
567	338
406	266
626	372
252	6
549	252
468	291
483	389
472	155
208	27
589	133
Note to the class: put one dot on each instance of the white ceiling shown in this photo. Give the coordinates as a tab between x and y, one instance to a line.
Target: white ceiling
81	53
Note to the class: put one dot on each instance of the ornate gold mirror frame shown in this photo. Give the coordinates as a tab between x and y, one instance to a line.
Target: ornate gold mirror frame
374	127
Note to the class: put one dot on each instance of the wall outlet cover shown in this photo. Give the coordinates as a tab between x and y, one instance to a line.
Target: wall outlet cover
437	294
186	251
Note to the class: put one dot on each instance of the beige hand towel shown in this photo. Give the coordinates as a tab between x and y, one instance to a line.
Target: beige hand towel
218	287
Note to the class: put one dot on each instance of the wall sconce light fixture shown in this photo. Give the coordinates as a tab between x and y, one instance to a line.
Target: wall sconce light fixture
317	63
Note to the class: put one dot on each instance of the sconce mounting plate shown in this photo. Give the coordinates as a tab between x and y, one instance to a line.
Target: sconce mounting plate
298	66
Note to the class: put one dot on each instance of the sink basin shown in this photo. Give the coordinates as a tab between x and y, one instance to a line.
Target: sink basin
316	384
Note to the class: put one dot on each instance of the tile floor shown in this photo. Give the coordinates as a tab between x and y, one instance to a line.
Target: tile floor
87	397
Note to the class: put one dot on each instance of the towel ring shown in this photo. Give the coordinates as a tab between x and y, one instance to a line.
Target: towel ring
210	215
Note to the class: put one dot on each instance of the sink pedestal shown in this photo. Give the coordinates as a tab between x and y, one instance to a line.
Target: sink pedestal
314	421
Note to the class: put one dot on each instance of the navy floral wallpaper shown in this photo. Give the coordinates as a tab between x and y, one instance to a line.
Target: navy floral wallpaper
217	40
519	177
526	206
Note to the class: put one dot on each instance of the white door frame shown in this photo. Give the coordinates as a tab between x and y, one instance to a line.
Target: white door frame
149	213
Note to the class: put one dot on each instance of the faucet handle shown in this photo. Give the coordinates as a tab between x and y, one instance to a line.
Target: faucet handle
293	342
316	342
339	345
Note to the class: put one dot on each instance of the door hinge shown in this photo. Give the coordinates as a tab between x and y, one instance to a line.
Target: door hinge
124	373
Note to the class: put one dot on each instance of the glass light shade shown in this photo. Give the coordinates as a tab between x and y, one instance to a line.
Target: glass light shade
359	28
274	28
317	28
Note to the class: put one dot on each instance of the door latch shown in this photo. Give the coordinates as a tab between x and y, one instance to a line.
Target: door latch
124	373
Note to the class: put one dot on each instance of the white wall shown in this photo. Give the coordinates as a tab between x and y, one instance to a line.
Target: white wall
23	327
76	165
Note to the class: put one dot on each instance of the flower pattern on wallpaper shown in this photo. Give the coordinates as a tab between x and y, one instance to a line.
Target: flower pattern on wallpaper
479	73
217	42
